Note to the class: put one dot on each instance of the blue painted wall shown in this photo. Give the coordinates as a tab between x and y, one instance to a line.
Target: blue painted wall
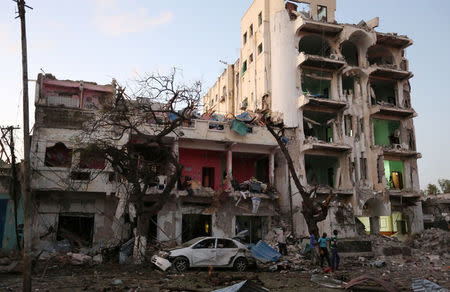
8	237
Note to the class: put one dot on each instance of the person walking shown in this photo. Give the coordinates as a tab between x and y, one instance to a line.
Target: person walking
281	238
314	251
324	249
335	259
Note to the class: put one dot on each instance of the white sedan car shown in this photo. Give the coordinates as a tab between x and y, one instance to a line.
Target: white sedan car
211	252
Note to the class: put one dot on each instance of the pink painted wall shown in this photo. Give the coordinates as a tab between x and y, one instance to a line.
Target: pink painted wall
194	160
243	168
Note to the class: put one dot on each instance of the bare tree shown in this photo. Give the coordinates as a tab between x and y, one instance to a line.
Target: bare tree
313	209
131	133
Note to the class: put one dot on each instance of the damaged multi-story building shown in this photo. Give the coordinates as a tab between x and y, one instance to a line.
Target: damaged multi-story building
344	93
77	196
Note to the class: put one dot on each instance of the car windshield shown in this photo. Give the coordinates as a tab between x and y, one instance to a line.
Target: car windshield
192	241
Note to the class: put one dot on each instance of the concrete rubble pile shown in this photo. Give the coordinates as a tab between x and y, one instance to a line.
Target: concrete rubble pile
426	255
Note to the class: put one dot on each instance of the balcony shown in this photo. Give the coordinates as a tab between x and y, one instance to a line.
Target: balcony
399	150
64	179
390	71
312	144
315	61
384	110
313	103
393	40
309	25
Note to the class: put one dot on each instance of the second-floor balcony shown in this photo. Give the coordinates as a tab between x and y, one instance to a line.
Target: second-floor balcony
331	62
320	103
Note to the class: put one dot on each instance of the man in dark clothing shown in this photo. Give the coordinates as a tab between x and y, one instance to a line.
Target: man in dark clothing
335	259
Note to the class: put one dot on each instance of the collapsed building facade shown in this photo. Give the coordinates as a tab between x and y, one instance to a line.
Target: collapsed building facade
344	93
78	199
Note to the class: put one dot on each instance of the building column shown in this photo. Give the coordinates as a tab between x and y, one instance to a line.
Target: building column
374	225
272	168
229	167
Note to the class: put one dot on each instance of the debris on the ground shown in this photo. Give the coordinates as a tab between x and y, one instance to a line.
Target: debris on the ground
328	281
356	281
265	253
423	285
160	262
79	258
244	286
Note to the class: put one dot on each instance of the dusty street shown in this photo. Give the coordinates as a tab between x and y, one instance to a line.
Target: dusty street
57	276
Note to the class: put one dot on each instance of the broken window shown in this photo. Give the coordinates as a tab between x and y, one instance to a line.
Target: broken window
58	156
316	83
314	44
91	160
350	53
245	38
77	228
393	170
260	19
195	225
225	243
348	85
348	124
318	125
257	227
351	167
251	29
244	67
80	175
380	55
260	49
386	132
363	166
321	170
383	92
322	13
224	93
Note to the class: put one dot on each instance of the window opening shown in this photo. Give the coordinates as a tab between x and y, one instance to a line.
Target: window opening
58	156
260	49
322	13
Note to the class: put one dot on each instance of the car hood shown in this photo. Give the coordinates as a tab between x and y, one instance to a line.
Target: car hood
179	251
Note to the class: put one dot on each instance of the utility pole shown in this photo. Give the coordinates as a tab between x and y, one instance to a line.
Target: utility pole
26	188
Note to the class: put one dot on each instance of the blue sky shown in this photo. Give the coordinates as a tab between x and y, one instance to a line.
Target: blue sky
97	40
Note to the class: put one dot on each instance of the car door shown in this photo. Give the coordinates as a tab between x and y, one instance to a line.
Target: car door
226	250
204	253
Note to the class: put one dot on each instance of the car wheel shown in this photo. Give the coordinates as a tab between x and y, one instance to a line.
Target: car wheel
181	264
240	264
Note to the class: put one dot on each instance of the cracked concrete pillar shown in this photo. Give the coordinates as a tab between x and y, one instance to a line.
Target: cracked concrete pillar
375	225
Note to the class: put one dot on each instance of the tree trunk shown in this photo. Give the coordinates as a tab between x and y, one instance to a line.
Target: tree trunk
311	214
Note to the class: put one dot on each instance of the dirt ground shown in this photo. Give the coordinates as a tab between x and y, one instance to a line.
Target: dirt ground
58	276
